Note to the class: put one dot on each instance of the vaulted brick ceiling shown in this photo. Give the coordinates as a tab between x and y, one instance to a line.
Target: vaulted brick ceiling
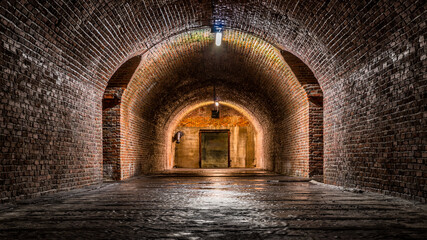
96	37
245	70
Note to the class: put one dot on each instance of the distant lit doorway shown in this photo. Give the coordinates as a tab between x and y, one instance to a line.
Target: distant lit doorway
214	148
237	149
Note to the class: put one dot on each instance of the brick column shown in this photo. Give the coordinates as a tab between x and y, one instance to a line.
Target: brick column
315	98
111	133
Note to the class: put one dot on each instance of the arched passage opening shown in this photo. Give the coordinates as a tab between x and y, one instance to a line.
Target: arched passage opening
248	72
246	146
111	111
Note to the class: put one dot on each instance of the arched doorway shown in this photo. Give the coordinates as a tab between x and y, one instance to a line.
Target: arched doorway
273	87
232	136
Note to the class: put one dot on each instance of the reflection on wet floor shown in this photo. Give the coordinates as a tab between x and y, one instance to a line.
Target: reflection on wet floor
214	207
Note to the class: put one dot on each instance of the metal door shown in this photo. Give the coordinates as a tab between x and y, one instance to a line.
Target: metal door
214	148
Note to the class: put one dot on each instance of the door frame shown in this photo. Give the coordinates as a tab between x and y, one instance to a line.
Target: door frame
213	131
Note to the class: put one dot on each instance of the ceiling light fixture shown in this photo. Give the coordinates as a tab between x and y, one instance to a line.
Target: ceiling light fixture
218	38
218	28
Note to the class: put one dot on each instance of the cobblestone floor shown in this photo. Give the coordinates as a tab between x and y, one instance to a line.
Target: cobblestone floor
214	205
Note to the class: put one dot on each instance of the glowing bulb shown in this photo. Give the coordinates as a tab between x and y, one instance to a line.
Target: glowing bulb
217	104
218	38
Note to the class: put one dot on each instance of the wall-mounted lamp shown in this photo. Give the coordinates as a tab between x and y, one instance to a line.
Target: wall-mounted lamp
215	111
177	137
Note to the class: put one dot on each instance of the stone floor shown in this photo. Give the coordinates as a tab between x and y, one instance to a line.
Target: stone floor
214	205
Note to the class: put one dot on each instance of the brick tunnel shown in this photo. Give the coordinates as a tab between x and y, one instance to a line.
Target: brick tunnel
333	92
247	73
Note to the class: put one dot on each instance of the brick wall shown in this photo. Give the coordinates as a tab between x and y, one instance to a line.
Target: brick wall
291	142
201	118
315	136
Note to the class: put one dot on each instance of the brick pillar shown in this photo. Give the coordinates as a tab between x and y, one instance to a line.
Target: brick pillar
315	98
111	133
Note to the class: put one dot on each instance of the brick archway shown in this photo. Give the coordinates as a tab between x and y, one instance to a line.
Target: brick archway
299	116
111	122
315	97
180	113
